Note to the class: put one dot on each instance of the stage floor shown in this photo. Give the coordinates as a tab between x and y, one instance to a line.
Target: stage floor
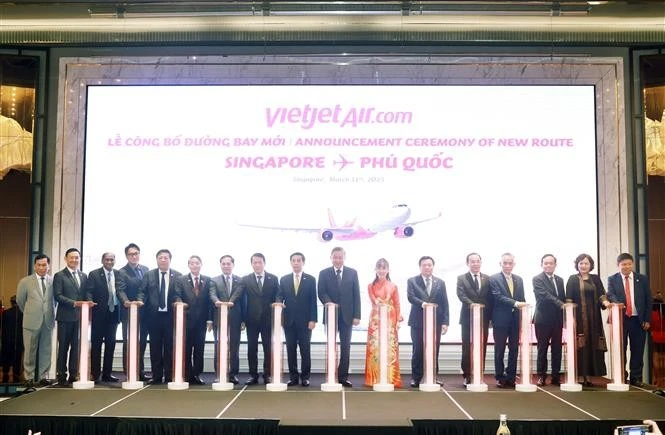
357	406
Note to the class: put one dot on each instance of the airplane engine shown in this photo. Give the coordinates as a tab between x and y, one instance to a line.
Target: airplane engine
326	235
403	232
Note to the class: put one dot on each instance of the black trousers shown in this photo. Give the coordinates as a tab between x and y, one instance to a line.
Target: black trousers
103	331
264	329
234	350
465	323
549	334
633	332
161	345
344	330
194	345
68	350
298	335
502	335
417	357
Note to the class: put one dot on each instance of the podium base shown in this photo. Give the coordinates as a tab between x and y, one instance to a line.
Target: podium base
276	386
178	385
222	386
571	387
526	388
618	387
83	385
476	388
430	388
331	387
383	388
132	385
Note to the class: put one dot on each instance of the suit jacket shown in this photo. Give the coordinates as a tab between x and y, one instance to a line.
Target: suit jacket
259	301
641	293
66	293
199	308
236	295
149	290
96	290
503	306
469	295
38	307
132	283
416	293
300	308
549	301
347	296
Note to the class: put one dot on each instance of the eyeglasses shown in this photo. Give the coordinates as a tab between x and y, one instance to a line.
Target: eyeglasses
132	254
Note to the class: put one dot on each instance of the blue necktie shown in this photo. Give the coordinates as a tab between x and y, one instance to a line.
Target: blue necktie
139	273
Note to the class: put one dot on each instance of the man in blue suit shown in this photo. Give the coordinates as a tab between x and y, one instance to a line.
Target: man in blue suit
339	284
632	289
298	292
508	295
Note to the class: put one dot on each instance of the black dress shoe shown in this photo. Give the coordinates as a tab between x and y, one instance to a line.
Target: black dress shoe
44	382
109	378
267	380
346	383
291	383
556	381
509	384
156	381
466	380
541	381
414	383
144	378
195	380
252	381
71	380
233	379
501	384
305	382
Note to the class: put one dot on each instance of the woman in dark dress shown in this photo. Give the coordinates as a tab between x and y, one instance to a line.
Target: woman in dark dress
587	291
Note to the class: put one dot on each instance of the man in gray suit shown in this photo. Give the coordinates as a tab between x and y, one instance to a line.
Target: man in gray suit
34	296
67	290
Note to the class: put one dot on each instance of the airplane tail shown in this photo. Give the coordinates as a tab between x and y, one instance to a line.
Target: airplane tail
331	219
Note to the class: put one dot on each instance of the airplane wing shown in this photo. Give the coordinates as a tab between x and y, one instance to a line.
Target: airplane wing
335	230
423	220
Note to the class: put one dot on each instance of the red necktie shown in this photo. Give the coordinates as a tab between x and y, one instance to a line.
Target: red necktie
196	286
629	303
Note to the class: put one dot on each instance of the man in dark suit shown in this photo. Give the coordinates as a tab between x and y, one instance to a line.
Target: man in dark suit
194	289
261	289
228	289
157	293
423	289
473	287
548	318
339	284
11	345
298	291
508	295
101	288
132	274
632	289
68	293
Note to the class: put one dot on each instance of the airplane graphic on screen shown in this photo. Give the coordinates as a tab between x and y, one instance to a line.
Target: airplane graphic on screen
395	219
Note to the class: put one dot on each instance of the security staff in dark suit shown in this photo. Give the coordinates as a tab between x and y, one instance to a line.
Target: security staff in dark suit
508	295
228	289
262	290
157	293
101	288
339	284
298	291
132	274
68	285
548	318
632	290
425	289
11	350
194	289
473	287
